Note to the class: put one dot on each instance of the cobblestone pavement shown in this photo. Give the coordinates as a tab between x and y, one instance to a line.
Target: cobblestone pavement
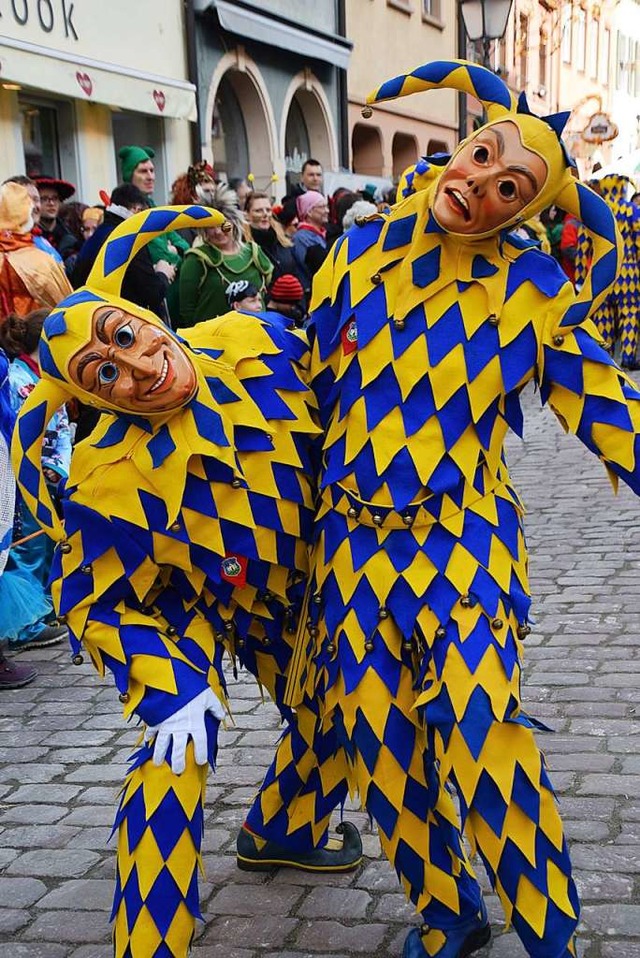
63	752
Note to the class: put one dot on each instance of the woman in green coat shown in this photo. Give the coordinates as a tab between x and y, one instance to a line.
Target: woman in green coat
222	259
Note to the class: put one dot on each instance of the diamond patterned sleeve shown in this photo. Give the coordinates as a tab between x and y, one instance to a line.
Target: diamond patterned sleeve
104	582
590	395
584	253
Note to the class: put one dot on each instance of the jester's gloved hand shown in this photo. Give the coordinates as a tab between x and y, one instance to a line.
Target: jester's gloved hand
175	731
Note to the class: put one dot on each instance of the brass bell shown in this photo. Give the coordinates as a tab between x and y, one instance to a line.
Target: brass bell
407	519
236	483
228	627
62	619
368	646
226	227
376	519
366	112
240	643
175	527
407	645
65	546
383	612
171	630
77	659
124	697
266	641
317	598
331	648
314	632
399	324
441	632
86	569
493	320
360	220
352	512
376	279
558	340
219	636
523	630
497	623
465	601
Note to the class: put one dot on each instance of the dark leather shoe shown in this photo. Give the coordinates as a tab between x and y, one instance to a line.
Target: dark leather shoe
13	676
256	854
460	941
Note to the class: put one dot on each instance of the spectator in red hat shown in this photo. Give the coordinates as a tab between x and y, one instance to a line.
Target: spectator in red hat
53	193
286	296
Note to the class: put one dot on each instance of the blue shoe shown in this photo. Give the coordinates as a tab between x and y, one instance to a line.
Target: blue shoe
460	941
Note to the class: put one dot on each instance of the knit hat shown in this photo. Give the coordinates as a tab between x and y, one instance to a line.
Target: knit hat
306	201
15	208
286	289
62	187
240	289
130	156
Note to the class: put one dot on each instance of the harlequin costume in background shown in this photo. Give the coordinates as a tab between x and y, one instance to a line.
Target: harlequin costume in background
618	319
186	516
427	322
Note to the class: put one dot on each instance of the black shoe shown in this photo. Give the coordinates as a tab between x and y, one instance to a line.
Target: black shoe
13	676
256	854
50	635
458	942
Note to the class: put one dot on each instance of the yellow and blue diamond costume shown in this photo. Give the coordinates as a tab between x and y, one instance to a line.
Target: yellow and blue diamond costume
618	318
419	597
185	534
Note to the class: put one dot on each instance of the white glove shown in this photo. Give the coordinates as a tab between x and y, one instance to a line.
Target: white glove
175	731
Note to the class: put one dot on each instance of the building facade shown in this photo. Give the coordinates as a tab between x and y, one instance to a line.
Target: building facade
271	81
626	85
561	53
391	37
80	80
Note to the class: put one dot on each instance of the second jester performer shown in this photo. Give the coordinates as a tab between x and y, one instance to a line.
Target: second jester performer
427	322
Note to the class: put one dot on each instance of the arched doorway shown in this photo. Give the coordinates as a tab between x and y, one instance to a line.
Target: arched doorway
241	140
307	134
366	148
404	150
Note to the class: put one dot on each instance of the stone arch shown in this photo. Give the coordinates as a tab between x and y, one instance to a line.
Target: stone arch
366	150
239	77
306	98
404	152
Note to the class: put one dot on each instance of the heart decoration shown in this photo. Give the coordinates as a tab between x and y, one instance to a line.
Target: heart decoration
85	82
160	99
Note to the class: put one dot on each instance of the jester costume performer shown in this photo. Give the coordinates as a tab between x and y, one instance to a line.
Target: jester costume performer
184	535
427	322
618	318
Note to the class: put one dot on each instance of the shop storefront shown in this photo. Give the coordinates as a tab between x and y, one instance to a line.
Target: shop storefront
80	78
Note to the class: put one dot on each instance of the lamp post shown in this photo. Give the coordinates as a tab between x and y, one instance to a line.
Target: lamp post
485	20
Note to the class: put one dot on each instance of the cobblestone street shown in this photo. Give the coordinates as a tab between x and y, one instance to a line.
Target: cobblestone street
63	753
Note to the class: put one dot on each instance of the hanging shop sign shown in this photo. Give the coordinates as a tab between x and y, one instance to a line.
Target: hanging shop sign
599	129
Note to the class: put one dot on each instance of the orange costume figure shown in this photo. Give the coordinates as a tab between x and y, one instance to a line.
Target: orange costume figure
29	277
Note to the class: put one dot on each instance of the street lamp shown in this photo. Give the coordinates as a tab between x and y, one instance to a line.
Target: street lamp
485	20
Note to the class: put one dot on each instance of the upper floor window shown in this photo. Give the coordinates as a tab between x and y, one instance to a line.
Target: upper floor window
432	9
566	32
605	54
581	38
594	36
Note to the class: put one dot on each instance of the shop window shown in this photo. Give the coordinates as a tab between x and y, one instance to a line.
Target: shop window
47	137
139	129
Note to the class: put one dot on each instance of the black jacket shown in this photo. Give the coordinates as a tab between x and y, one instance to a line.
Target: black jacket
141	285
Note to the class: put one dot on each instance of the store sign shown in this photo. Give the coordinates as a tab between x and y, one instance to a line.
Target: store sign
48	16
599	129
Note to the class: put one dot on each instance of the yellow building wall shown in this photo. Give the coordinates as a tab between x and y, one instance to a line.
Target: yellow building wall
391	37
